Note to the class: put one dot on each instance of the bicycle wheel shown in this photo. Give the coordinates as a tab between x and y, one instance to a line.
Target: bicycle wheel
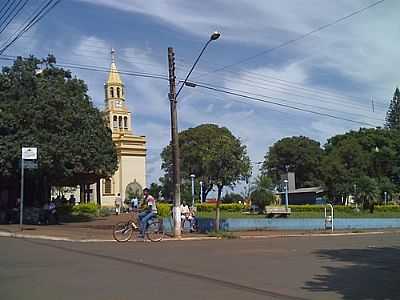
155	231
122	231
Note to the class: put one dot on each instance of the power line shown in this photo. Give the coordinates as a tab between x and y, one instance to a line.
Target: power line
38	16
265	84
300	103
8	12
280	104
213	88
4	6
15	14
301	37
278	81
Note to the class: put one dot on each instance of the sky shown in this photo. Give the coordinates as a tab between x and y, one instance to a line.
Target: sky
348	70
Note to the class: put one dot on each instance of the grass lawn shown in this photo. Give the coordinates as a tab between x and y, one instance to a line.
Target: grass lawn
303	215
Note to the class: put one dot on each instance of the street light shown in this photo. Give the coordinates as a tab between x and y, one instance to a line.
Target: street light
174	128
192	176
201	191
286	194
214	36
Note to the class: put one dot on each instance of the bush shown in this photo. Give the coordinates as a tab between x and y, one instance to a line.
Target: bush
164	209
231	207
387	208
104	212
88	208
64	210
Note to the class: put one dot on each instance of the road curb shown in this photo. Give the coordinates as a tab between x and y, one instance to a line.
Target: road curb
203	238
248	237
65	239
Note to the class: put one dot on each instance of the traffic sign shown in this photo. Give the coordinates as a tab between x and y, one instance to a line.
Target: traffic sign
29	153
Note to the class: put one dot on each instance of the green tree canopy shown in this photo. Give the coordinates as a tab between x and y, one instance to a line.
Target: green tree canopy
213	154
261	194
367	153
52	111
298	154
393	114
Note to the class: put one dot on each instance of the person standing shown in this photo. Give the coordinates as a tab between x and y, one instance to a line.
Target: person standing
118	204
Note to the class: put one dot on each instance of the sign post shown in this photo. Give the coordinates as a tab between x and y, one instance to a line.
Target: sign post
26	154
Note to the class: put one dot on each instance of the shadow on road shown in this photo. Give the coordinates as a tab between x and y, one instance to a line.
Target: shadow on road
370	273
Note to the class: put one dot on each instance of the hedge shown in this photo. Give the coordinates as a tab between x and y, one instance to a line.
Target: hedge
87	208
231	207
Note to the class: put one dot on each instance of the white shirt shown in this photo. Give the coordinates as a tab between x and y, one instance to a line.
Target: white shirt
184	209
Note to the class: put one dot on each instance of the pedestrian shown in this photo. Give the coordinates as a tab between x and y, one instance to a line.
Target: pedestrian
134	203
118	204
72	200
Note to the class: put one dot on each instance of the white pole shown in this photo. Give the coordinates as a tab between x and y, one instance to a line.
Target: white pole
286	195
192	176
21	205
201	191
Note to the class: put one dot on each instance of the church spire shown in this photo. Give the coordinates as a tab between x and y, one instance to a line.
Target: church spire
114	87
113	75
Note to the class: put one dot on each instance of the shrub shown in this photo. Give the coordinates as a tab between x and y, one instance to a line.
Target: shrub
88	208
64	210
164	209
104	212
231	207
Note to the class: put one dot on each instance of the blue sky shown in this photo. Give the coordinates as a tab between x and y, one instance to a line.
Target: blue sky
336	71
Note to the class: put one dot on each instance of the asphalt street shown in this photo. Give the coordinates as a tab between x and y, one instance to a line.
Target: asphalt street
351	267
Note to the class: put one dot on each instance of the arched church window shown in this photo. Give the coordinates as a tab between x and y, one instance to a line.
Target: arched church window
115	125
112	92
126	122
120	122
122	92
118	92
107	186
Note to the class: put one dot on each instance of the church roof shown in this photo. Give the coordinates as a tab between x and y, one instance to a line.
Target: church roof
113	75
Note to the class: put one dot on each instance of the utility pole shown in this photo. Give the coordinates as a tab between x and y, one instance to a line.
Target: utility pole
175	143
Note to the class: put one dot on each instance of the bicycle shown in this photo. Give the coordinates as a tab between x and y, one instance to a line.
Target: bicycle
123	231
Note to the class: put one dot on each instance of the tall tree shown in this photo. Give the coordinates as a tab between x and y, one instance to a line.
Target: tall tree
393	114
367	153
214	155
298	154
52	111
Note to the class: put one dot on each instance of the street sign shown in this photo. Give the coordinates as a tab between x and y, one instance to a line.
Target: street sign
30	164
29	153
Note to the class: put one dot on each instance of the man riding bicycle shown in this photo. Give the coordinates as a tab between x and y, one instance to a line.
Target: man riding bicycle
149	212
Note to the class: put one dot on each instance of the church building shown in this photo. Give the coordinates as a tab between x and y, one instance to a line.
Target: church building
130	178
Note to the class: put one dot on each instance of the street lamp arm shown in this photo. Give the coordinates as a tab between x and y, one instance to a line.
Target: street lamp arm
192	68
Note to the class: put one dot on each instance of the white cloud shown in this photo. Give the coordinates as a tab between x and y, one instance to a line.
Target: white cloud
359	53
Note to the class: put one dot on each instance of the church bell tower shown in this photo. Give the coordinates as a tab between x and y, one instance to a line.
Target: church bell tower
130	178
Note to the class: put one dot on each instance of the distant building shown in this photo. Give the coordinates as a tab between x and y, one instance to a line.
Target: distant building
310	195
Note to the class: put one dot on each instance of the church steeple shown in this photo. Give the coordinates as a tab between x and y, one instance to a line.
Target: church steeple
114	88
118	115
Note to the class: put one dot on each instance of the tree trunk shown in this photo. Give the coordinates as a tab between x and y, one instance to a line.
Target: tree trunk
98	195
82	193
217	212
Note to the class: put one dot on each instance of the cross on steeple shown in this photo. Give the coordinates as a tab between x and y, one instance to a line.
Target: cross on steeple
112	55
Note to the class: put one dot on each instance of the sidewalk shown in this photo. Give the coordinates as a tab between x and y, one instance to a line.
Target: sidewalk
100	230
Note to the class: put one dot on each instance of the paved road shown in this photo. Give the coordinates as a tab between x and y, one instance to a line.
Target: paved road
357	268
